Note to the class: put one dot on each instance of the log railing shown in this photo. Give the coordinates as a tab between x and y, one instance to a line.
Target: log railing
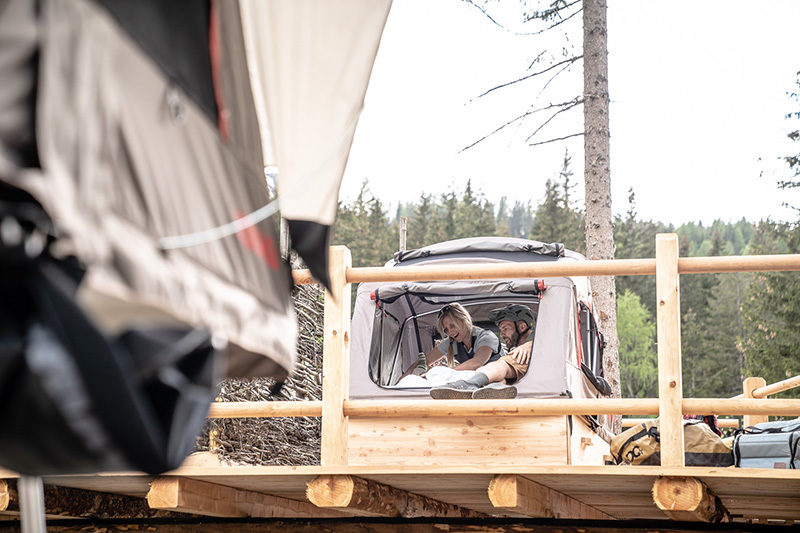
335	409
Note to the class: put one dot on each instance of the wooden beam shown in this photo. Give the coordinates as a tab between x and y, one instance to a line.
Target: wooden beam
336	361
749	385
61	502
265	409
521	495
366	497
617	267
517	407
493	408
491	525
687	499
775	388
722	422
5	496
668	318
209	499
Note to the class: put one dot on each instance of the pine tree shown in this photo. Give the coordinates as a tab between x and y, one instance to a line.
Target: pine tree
637	354
421	222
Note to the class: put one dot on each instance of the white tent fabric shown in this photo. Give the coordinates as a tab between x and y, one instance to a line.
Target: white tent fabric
309	62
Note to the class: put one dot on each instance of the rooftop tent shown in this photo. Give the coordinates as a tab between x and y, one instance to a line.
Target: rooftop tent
127	123
393	322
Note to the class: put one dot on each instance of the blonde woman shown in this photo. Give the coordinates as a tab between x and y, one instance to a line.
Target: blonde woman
464	347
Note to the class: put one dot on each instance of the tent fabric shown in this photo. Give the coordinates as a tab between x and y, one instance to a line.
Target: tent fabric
126	158
310	61
75	400
484	246
175	35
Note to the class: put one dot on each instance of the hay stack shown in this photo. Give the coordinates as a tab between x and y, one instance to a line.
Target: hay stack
276	441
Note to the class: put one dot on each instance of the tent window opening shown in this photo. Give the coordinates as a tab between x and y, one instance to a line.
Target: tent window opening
398	339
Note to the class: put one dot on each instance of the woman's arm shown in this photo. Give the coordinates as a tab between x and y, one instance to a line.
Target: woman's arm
481	356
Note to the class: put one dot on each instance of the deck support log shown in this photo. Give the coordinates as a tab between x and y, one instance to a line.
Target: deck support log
365	497
61	502
687	499
521	495
209	499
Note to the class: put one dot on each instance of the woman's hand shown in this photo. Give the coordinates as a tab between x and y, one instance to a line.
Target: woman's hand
522	353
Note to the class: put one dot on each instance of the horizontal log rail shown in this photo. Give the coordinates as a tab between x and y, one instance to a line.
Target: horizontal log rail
721	422
616	267
265	409
516	407
775	388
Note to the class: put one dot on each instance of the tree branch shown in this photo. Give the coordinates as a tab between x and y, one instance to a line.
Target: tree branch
571	103
501	26
554	76
556	139
551	67
564	107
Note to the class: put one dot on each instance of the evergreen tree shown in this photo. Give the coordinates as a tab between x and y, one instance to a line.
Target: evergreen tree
364	227
637	354
556	220
420	222
771	310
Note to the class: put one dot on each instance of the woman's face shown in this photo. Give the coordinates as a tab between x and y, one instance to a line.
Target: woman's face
453	329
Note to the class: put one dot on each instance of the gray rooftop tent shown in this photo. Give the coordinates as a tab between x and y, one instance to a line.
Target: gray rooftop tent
124	123
393	322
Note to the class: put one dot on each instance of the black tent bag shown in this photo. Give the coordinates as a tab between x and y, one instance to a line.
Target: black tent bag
73	400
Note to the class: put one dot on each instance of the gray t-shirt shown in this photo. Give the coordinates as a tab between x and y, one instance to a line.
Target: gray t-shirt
480	337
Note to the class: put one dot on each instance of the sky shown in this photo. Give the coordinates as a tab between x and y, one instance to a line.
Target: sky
698	98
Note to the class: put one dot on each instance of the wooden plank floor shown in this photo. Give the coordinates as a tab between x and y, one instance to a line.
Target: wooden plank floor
622	492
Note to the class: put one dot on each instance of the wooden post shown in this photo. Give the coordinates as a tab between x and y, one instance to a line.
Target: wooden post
336	360
668	317
748	386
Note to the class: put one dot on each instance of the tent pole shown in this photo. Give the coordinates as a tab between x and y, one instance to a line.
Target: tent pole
31	504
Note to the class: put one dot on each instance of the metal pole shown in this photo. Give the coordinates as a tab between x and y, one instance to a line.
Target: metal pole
31	504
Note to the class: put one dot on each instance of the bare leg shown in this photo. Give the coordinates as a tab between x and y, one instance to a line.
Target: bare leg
497	371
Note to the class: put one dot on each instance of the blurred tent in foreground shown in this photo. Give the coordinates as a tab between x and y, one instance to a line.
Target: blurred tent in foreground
127	129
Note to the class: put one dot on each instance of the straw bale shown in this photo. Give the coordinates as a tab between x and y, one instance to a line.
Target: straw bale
276	441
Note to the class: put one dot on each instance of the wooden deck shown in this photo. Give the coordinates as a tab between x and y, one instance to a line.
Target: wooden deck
620	492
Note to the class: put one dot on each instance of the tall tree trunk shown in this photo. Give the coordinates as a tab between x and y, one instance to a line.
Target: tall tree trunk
597	174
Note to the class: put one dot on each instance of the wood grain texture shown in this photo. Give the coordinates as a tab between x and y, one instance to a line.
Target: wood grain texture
668	318
209	499
336	360
687	499
749	385
521	495
617	267
455	439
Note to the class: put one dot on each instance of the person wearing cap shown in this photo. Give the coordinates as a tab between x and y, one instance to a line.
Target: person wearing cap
516	325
